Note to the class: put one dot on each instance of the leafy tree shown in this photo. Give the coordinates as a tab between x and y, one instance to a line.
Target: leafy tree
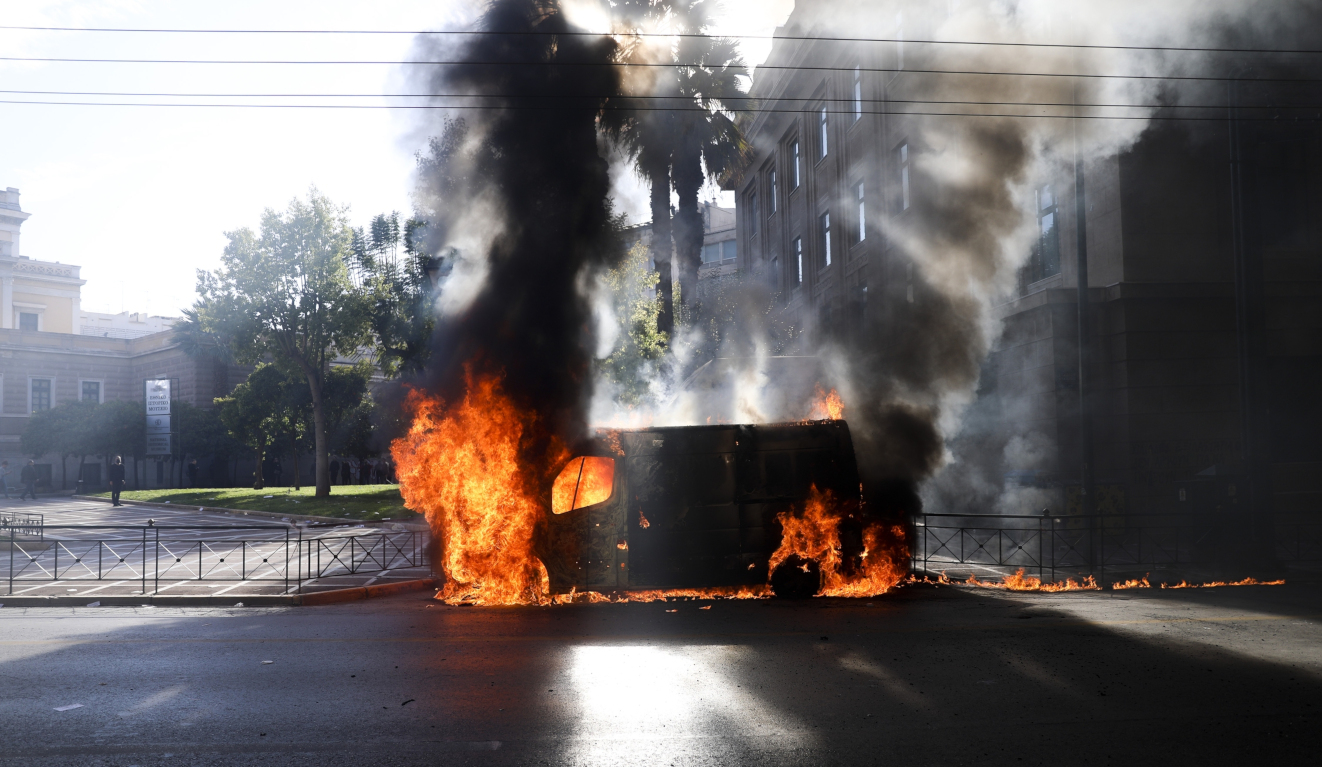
400	290
119	427
286	292
201	433
631	286
65	430
249	413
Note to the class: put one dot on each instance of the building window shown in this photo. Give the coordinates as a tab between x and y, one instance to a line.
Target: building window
902	166
798	261
28	321
821	130
775	193
862	214
858	94
794	176
39	394
753	213
825	222
91	391
1044	261
719	252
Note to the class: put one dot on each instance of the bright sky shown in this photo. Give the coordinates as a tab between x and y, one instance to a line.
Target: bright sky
140	197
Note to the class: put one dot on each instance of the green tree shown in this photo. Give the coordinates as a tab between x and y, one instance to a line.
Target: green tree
286	293
631	287
119	427
399	282
201	433
250	413
65	430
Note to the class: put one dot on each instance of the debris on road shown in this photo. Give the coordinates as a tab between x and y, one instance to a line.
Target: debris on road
94	604
69	707
410	700
267	662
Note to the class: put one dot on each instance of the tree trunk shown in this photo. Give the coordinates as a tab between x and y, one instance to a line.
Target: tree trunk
315	380
293	445
258	481
657	172
688	224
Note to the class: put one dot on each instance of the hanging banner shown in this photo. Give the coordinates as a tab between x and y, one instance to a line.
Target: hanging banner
157	396
158	424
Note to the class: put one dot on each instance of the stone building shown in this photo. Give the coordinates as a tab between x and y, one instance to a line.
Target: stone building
53	352
1203	284
719	244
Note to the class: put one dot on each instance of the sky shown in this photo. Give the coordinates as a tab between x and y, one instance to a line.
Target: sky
141	197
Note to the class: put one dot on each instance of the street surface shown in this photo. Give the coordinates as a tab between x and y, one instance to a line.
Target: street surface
926	676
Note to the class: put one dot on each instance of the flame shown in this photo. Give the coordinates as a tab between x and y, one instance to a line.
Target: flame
1132	583
1218	584
462	466
815	535
826	405
1021	582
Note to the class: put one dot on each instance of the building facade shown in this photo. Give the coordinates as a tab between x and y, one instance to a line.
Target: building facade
52	352
1202	356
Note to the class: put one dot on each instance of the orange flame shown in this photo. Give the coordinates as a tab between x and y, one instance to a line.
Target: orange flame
1021	582
1219	584
1132	583
826	405
815	535
461	466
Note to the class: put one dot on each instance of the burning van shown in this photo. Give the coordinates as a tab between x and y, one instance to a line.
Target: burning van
697	506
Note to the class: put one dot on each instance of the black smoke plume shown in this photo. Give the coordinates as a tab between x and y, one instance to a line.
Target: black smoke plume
515	194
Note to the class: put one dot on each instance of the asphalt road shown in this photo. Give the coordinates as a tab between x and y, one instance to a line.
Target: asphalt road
926	676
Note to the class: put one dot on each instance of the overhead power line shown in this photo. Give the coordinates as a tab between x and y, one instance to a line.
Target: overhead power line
845	102
565	107
813	38
266	62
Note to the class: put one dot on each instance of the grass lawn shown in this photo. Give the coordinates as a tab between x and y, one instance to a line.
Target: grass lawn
365	502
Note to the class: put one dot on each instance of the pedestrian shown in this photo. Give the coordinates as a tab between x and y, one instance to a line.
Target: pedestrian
334	470
116	480
28	478
345	468
4	477
277	471
365	472
192	473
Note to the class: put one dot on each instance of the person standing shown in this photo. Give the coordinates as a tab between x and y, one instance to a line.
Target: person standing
334	470
116	479
345	469
4	477
192	473
28	478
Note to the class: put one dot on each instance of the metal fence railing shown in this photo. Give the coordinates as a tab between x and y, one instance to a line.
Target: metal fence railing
1076	545
23	523
153	554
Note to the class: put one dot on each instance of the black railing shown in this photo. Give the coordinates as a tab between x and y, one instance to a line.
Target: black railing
1079	545
23	524
154	554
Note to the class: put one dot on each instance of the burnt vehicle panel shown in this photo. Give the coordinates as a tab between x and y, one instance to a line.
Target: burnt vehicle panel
693	506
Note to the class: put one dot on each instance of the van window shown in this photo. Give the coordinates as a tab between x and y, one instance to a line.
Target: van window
584	481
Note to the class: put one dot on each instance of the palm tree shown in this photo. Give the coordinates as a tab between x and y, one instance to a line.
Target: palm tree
706	137
644	127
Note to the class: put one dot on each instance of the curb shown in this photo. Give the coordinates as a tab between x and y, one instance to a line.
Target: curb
334	596
367	592
242	513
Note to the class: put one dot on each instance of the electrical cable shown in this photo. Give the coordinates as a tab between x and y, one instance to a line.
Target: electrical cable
813	38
